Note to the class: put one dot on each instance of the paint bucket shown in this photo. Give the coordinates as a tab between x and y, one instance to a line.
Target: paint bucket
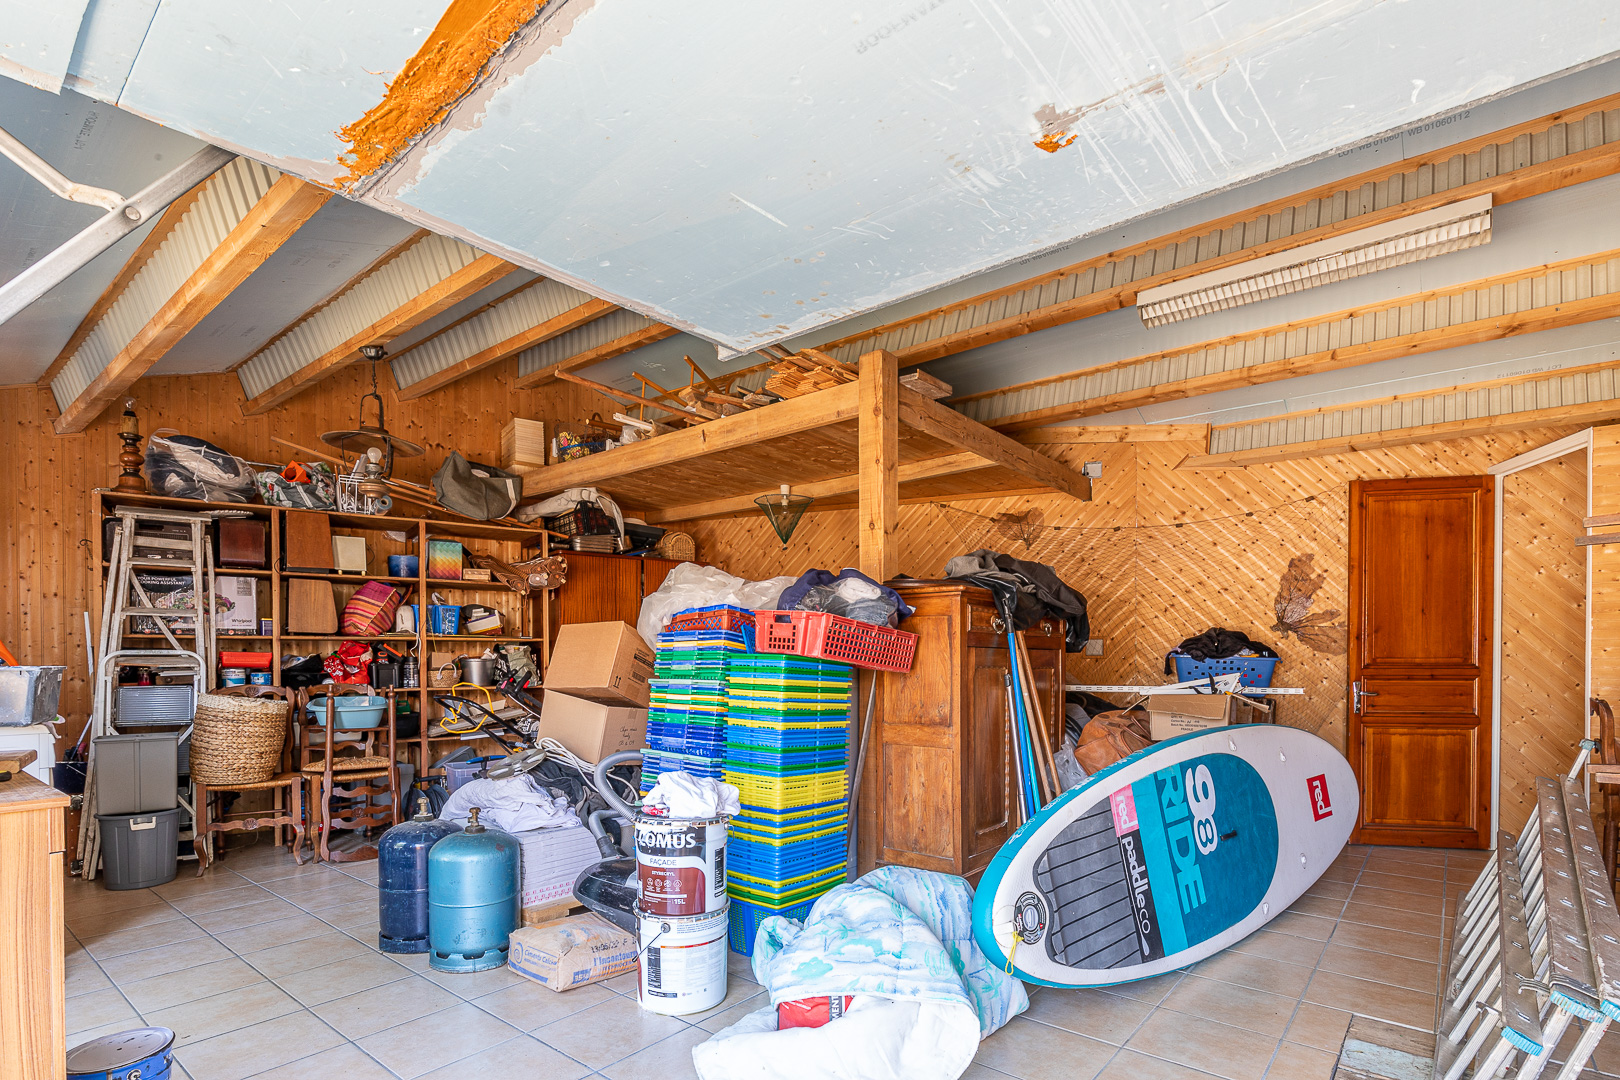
681	864
233	676
141	1054
260	678
682	963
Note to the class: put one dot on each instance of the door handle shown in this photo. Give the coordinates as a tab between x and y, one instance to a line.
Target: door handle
1356	694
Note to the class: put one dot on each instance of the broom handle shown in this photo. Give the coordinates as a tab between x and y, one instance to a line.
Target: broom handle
1048	764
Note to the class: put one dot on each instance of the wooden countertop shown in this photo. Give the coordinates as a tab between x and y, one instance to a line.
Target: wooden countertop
23	792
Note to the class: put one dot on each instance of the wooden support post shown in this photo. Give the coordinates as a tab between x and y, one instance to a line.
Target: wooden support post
879	463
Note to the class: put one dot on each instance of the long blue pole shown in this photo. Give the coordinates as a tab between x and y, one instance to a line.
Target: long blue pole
1032	792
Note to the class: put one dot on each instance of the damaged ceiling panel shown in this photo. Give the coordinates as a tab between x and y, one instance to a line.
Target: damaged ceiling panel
747	174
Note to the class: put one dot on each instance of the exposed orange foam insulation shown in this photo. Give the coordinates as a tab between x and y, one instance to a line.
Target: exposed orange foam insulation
444	70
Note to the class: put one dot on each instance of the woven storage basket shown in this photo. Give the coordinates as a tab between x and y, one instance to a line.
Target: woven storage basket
237	740
677	545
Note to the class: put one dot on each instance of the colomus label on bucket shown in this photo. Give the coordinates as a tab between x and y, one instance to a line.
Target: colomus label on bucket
681	865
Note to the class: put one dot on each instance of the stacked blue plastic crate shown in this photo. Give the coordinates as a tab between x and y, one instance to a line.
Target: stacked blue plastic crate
686	717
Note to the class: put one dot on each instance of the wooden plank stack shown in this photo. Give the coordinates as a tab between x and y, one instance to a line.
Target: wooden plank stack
523	444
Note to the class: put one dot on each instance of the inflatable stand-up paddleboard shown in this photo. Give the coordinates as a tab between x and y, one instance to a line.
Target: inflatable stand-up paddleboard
1166	857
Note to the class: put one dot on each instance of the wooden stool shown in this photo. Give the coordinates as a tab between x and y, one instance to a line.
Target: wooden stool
287	787
372	761
1603	773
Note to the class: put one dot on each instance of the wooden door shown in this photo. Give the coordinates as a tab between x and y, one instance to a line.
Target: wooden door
1420	660
987	786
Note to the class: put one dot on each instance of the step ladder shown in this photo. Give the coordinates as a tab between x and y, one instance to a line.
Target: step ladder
127	598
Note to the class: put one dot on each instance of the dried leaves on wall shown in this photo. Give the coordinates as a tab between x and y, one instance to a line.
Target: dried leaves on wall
1295	594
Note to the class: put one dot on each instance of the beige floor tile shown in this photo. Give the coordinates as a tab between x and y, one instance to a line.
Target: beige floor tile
1422	975
1330	890
739	993
350	975
1383	864
469	986
629	984
1402	883
1395	1004
1096	1014
1151	990
1279	946
283	870
1296	1062
1318	1026
1390	942
386	1006
740	967
87	927
1381	914
84	975
141	938
1301	925
220	899
151	963
98	1009
252	1050
1394	900
1432	856
670	1059
976	1071
721	1020
1203	1044
1032	1051
1255	972
529	1005
81	897
522	1058
190	984
1343	870
1320	906
224	920
1233	1005
422	1045
1129	1065
352	916
118	1027
187	883
345	1061
280	935
608	1032
336	896
219	1013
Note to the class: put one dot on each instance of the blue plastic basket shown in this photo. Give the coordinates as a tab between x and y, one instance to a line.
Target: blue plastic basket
759	859
745	917
1252	670
736	641
787	759
768	739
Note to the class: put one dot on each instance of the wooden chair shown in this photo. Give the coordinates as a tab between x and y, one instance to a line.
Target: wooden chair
286	787
356	765
1603	774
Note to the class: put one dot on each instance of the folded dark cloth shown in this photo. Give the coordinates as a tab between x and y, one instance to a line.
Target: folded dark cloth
810	579
1216	643
1025	592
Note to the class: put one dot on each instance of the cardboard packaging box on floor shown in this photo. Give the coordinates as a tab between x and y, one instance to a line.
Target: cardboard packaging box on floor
576	951
1179	714
589	728
606	662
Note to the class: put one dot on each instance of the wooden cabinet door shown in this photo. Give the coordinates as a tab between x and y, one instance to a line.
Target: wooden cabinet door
653	573
986	764
1420	659
600	588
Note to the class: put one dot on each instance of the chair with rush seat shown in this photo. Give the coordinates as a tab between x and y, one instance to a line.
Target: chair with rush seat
287	788
349	777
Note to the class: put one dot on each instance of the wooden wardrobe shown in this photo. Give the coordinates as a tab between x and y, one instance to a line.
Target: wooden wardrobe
936	792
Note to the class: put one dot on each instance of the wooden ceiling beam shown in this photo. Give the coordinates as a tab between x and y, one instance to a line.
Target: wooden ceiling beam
606	351
482	271
572	318
947	425
115	288
1562	416
282	210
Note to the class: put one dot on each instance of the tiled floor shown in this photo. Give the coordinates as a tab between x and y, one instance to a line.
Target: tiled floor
267	969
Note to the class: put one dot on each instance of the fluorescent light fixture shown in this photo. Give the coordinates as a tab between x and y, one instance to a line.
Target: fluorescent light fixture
1434	232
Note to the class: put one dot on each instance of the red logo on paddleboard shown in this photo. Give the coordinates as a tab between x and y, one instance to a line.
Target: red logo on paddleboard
1123	804
1321	805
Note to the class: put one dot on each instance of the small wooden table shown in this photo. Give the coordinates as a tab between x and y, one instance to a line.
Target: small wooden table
32	1010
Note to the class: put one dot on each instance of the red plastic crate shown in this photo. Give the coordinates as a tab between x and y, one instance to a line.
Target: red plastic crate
722	617
833	637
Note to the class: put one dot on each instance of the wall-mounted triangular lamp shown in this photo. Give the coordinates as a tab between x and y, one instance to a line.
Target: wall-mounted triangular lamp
784	511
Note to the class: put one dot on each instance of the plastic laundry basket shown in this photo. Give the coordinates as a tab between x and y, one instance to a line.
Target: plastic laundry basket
139	851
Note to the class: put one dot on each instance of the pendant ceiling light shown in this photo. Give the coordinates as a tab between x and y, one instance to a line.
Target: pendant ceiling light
784	511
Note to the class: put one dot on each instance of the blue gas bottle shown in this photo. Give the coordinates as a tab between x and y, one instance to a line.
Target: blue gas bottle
472	898
402	880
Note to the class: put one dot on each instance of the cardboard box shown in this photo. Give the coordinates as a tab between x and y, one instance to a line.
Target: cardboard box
579	950
1180	714
605	662
236	605
589	728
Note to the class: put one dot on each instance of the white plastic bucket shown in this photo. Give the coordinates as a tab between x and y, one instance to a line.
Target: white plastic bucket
682	963
681	865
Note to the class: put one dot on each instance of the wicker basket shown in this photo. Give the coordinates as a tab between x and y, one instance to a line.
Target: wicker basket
678	546
237	740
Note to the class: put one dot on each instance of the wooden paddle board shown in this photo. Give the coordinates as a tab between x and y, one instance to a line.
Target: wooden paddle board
1166	857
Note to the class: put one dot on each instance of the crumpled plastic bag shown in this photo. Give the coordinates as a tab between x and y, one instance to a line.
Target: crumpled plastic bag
186	467
514	804
692	586
682	795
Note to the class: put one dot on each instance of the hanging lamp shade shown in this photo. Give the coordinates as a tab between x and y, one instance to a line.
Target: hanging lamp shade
784	511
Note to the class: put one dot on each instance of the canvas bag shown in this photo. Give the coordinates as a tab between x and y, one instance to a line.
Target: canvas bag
481	492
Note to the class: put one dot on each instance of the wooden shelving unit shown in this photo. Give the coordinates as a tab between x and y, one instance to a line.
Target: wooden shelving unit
526	619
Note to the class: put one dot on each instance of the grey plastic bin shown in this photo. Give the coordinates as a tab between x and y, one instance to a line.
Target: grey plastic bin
137	774
29	695
139	851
